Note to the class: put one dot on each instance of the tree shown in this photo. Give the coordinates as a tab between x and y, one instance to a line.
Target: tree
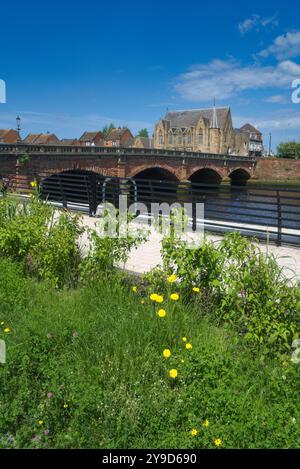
143	133
289	150
107	128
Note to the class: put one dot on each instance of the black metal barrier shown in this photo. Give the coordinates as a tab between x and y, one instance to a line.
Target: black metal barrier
269	213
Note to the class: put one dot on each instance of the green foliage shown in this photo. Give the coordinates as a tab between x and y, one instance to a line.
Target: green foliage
85	370
42	240
143	133
24	159
108	246
239	285
289	150
107	128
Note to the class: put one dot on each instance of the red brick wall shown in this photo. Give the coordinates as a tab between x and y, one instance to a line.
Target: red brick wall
279	169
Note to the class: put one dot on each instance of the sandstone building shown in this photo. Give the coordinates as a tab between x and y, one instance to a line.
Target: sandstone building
203	130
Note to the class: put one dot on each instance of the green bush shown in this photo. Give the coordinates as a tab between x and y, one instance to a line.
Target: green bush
43	240
107	251
239	285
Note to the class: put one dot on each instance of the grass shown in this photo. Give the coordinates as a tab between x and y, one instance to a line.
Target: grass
85	370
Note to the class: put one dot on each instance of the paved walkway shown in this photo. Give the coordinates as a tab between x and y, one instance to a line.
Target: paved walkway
148	256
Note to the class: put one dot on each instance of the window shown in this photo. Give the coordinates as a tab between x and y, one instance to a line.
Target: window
189	138
160	138
208	138
179	139
200	137
170	138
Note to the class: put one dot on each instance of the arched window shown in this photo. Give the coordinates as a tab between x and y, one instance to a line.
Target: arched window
170	138
179	139
200	137
189	138
160	138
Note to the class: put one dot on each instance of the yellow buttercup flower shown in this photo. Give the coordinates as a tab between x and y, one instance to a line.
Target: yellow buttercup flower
205	423
173	373
167	353
161	313
184	339
174	296
194	432
188	346
172	278
157	298
142	302
218	441
196	290
2	322
40	422
134	289
66	406
33	184
7	330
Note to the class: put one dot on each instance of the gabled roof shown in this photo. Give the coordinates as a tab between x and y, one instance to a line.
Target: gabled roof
190	118
145	141
68	141
249	128
90	136
39	139
31	138
117	134
3	132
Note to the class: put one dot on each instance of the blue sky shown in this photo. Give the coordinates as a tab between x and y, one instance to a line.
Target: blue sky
75	66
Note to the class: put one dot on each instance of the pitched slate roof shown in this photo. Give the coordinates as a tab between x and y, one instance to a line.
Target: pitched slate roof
249	128
190	118
68	141
90	136
116	134
39	139
3	132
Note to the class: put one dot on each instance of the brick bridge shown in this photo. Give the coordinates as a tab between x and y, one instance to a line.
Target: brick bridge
23	162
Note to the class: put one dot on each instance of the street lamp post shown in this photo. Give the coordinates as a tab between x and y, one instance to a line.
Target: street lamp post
270	143
18	120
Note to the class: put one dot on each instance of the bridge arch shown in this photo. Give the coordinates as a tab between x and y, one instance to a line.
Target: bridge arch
206	176
157	172
155	184
71	186
239	177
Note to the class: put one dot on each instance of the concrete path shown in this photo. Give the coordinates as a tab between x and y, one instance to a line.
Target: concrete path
148	256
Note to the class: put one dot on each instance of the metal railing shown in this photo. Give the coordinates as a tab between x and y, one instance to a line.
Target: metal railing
270	213
52	149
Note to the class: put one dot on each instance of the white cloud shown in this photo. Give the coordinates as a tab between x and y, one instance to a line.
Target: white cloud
279	122
283	47
277	99
257	22
225	79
